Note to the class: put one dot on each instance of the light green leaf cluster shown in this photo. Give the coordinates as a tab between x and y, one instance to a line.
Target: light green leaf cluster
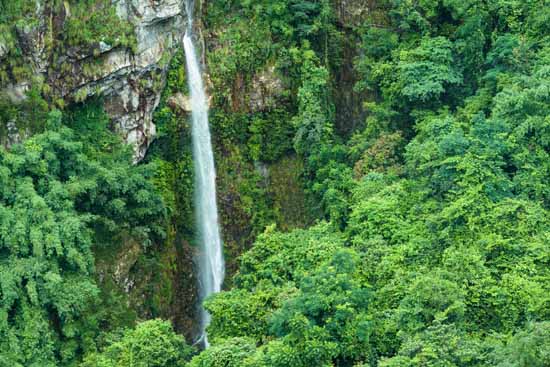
151	344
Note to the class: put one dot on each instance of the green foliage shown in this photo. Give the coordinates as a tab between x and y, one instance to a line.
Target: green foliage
300	307
279	258
288	20
55	203
327	319
313	121
171	152
440	200
28	117
286	186
329	176
90	123
435	252
151	344
431	299
529	347
234	352
17	15
94	21
439	346
270	136
383	154
425	72
247	314
56	32
236	65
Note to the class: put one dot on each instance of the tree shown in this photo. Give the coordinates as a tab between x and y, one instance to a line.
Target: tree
313	121
439	346
233	352
326	322
152	343
313	311
425	72
55	204
529	347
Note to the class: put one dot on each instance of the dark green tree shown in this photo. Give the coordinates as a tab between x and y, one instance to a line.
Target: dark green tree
56	203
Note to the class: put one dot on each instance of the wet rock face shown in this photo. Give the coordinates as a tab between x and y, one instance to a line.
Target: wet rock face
267	87
352	12
180	103
131	100
130	80
13	134
3	49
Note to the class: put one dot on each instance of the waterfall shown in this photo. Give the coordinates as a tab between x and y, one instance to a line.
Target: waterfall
211	263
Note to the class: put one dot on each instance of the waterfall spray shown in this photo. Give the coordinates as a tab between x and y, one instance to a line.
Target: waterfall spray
211	263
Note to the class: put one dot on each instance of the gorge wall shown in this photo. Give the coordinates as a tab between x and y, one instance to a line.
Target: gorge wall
125	64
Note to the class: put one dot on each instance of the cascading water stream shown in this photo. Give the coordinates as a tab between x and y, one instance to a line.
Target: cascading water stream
211	263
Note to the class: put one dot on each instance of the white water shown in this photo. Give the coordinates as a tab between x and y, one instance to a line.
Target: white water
211	263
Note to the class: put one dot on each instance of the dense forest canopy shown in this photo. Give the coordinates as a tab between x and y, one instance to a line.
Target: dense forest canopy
406	218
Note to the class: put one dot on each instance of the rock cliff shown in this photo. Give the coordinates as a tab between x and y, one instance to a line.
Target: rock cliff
130	77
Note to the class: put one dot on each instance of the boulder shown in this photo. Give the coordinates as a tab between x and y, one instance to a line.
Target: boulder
180	103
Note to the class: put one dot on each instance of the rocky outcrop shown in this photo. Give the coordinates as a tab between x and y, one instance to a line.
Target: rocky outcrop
129	79
179	103
267	88
158	281
349	103
13	136
132	100
351	13
3	48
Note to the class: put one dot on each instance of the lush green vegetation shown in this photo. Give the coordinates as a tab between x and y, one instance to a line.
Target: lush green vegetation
151	343
415	235
58	201
437	248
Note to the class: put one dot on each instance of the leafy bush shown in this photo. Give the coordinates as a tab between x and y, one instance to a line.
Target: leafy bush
152	343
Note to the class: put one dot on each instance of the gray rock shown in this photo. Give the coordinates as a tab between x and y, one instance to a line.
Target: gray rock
104	47
179	102
351	13
3	49
17	93
13	134
31	39
130	81
266	88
